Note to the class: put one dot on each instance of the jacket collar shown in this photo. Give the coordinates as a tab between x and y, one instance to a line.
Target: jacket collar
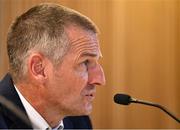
8	91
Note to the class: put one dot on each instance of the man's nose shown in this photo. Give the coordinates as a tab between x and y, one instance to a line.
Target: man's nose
96	76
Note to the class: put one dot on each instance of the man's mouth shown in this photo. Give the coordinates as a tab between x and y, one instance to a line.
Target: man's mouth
90	92
90	96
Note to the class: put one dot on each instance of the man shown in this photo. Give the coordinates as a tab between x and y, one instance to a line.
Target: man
53	54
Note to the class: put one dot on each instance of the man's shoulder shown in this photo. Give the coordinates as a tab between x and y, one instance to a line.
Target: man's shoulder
7	89
11	108
2	122
6	81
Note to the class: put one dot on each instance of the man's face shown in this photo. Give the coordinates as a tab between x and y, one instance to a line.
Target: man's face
73	83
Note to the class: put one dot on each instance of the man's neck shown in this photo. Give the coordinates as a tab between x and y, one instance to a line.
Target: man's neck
34	97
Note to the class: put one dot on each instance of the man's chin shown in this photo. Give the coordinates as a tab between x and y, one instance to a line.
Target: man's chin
88	109
81	113
85	111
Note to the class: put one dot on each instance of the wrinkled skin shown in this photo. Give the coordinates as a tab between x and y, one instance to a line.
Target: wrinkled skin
72	85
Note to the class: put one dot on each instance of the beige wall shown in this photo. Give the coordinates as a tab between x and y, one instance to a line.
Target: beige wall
140	44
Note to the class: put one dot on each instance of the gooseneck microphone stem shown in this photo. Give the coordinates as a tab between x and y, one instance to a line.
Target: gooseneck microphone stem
125	99
155	105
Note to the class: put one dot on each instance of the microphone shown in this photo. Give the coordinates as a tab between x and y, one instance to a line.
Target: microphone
125	99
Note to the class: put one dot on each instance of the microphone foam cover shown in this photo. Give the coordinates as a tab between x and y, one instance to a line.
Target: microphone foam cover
122	99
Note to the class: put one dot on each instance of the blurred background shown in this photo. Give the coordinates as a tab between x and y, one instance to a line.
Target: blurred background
140	42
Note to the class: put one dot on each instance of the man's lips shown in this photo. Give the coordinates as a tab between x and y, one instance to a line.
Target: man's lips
90	92
90	96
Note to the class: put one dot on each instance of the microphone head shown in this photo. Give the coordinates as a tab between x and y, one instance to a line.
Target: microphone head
122	99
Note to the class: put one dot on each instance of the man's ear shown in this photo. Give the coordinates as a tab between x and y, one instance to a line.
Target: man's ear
37	66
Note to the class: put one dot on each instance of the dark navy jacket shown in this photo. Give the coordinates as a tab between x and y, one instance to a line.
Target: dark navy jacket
9	119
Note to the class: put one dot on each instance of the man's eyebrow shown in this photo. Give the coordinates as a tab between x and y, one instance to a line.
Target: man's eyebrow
89	54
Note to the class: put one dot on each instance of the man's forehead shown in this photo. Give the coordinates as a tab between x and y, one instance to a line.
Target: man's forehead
77	33
86	41
86	47
82	40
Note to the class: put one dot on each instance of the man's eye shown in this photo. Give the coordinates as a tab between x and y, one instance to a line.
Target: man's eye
84	65
90	64
86	62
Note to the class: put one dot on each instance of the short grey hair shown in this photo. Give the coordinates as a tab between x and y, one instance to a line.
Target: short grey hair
42	29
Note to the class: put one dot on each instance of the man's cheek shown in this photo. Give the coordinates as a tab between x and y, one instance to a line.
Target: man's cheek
82	75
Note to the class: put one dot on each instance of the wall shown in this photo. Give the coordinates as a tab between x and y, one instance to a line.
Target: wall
140	46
